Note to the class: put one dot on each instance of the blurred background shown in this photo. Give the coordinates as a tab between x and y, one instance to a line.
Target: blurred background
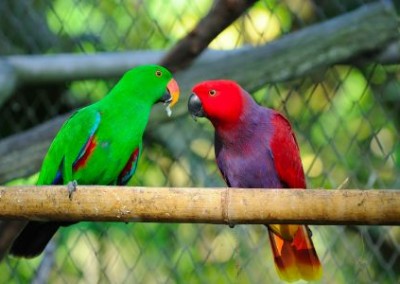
345	116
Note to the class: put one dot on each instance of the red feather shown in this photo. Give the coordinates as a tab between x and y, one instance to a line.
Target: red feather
129	169
87	152
286	153
295	259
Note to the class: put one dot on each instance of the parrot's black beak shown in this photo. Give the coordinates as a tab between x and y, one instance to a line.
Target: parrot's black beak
195	107
166	97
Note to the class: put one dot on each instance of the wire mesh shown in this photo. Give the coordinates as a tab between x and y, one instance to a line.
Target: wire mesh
345	118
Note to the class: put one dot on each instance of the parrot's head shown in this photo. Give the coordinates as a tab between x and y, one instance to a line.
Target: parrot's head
221	101
152	84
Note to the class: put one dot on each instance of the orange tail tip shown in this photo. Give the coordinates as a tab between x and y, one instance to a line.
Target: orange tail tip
295	259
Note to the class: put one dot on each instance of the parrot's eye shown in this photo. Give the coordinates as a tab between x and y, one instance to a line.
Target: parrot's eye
212	92
158	73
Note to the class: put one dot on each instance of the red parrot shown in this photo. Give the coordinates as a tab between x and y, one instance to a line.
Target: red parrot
255	147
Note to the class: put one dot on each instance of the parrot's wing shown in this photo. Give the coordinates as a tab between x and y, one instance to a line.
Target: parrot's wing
221	166
86	149
70	148
286	157
294	253
286	154
129	170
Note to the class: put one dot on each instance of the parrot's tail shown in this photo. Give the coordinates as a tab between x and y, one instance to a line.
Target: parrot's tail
295	259
33	239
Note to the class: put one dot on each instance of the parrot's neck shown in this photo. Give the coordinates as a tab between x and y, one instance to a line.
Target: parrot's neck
126	102
126	107
244	129
124	95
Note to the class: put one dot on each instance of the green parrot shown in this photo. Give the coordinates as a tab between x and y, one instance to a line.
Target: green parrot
100	144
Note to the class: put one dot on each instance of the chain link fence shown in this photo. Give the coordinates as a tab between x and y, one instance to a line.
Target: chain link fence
345	117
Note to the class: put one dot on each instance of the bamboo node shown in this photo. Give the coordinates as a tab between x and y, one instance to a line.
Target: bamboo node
225	200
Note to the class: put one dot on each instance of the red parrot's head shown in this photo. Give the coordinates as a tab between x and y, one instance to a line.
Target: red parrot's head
221	101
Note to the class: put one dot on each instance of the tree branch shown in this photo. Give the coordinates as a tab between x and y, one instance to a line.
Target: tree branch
368	29
201	205
388	55
221	15
22	154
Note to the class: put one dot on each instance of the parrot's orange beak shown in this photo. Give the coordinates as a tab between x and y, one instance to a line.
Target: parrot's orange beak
173	89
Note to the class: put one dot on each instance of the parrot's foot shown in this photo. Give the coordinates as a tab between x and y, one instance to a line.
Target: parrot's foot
71	186
309	232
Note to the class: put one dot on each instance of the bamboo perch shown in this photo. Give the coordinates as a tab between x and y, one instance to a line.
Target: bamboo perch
201	205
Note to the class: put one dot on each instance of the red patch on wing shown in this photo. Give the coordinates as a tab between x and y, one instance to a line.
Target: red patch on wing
286	153
128	170
87	152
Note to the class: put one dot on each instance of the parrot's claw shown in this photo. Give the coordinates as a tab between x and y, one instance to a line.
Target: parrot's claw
309	232
71	186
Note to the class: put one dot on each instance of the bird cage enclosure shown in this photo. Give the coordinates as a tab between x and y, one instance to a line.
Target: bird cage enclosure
332	67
